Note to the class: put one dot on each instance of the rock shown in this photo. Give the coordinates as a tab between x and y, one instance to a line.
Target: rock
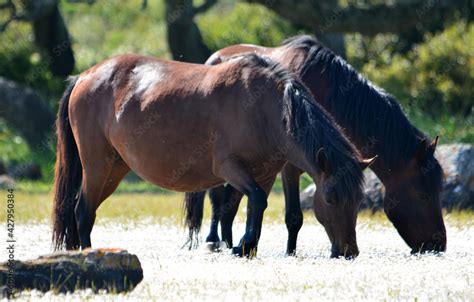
113	270
373	194
25	171
457	161
374	191
306	197
458	165
6	182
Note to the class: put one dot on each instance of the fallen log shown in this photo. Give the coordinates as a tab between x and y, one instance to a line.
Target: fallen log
112	270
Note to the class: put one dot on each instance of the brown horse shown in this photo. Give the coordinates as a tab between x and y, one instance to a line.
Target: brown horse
374	122
188	127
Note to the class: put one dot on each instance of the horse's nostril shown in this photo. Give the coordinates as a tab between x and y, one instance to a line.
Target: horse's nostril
347	252
351	253
428	247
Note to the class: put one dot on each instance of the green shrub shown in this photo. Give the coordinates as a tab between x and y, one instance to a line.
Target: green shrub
21	61
437	76
226	25
108	28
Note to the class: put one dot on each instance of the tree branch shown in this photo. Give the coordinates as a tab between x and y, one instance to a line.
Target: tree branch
371	20
36	10
204	7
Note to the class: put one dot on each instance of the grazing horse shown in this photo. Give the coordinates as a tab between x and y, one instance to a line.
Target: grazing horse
374	122
188	127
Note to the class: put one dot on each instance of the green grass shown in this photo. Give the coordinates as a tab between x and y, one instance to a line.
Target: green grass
131	184
132	201
37	206
451	129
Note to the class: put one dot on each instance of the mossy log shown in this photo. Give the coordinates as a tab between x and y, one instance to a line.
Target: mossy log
112	270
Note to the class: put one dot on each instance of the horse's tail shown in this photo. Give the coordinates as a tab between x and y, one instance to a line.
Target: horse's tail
67	178
194	210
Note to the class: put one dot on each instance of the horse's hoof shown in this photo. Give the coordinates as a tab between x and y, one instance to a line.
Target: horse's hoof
237	251
213	238
247	251
215	247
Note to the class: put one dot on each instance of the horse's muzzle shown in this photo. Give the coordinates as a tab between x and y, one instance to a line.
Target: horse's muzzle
347	251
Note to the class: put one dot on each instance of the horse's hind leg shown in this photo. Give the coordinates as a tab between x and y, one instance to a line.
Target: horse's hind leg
293	214
216	195
229	208
118	172
233	172
101	176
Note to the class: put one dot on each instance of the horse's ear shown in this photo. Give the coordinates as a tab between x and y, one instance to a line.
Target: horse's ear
432	147
365	163
322	161
422	149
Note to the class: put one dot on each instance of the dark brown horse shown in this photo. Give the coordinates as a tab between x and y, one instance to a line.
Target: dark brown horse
188	127
374	122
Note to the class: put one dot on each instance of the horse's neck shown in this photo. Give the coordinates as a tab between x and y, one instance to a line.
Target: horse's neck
320	85
297	157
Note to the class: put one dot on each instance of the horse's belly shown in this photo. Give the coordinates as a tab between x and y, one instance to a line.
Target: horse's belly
171	168
182	178
183	183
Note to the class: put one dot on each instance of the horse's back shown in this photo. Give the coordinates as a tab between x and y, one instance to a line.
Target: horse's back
159	115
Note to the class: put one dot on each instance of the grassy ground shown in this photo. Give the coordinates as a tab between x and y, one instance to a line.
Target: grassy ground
383	271
128	203
147	221
132	201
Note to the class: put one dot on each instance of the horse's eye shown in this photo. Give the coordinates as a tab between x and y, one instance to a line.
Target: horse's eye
423	197
329	201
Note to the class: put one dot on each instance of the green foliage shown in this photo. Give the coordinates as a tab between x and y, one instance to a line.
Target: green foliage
21	61
436	76
98	31
15	151
12	147
108	28
434	82
243	23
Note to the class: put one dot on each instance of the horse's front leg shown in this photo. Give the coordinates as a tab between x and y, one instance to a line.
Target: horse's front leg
234	173
229	208
293	214
253	227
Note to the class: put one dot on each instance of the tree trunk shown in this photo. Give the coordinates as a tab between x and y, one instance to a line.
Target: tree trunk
52	37
334	41
184	38
50	32
24	110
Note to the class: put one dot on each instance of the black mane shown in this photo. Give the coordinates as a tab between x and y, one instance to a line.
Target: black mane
313	128
368	113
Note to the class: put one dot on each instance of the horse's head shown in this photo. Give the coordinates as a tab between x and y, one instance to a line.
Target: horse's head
337	211
412	200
